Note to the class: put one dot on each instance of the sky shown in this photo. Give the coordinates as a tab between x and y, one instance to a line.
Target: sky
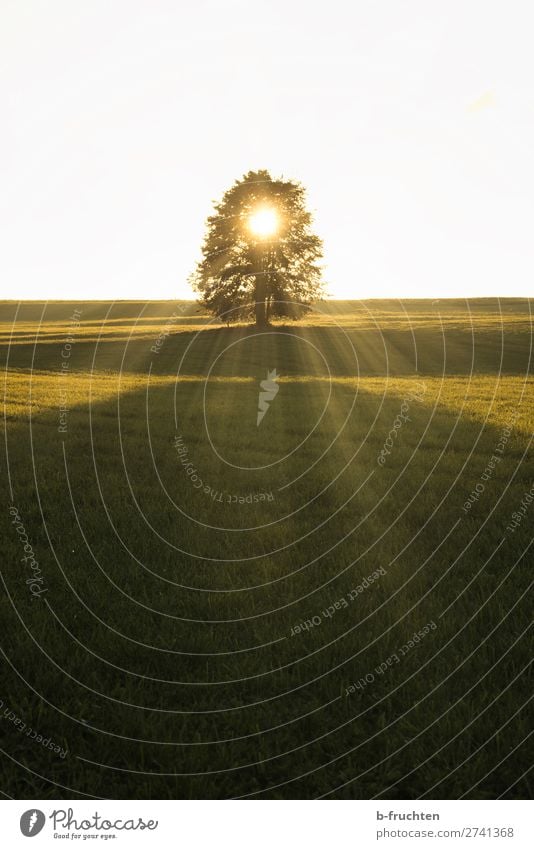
411	125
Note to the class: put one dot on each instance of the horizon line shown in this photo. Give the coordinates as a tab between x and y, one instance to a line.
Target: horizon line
194	301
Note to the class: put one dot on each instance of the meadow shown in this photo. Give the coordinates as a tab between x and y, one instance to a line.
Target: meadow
333	603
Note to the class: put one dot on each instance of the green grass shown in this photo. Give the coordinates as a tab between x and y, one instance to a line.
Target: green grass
161	655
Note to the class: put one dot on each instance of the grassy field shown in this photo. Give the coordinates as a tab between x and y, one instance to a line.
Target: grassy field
213	608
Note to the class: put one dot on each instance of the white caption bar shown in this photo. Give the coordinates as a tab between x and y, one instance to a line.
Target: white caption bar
264	824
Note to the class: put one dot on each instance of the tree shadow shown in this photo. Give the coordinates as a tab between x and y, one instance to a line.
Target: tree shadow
151	580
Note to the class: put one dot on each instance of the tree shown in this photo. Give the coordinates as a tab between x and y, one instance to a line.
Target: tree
259	256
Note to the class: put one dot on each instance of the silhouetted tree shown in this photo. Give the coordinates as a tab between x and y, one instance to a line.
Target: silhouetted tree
259	254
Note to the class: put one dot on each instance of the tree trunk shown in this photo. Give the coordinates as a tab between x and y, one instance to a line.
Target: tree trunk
260	305
260	294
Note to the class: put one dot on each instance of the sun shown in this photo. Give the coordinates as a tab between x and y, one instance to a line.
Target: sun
263	222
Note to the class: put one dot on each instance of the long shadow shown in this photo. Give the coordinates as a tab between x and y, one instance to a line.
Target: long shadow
248	622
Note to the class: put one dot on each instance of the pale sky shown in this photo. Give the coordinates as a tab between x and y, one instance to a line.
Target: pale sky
411	124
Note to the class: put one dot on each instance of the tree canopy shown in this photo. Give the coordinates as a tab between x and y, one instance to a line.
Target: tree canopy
259	255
